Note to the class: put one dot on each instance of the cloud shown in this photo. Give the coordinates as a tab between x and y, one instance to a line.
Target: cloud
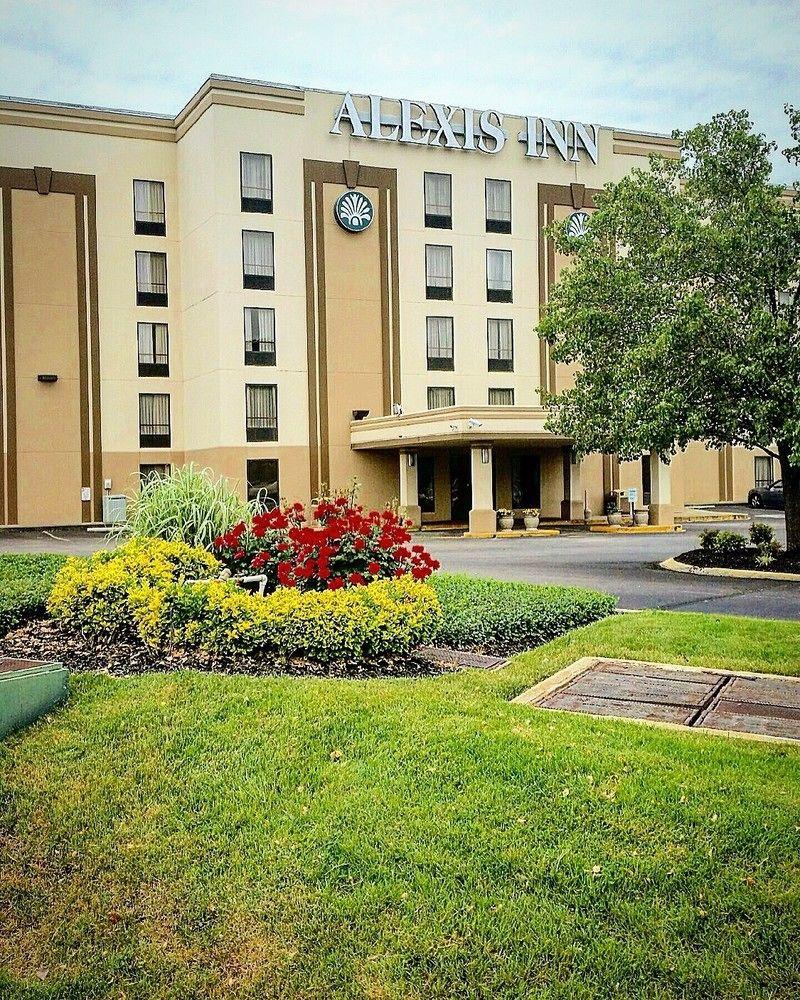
647	65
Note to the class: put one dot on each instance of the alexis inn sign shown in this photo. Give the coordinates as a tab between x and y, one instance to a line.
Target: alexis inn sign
422	124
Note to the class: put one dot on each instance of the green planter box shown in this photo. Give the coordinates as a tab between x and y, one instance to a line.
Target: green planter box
29	689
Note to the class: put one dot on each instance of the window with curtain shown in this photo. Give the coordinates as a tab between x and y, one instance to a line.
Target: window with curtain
440	343
153	348
261	409
438	272
149	214
259	336
500	338
440	396
498	206
438	201
763	471
256	182
151	278
501	397
258	258
263	482
498	276
154	427
153	470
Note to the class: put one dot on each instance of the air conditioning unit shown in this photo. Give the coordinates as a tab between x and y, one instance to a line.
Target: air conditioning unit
115	507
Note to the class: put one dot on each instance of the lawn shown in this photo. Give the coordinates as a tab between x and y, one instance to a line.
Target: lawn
194	835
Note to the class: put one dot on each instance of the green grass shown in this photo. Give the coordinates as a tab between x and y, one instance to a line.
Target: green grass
189	835
25	582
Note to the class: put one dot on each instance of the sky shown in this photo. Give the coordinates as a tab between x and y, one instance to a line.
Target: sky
640	65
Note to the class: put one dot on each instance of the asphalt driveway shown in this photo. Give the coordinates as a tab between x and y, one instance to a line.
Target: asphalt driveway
625	566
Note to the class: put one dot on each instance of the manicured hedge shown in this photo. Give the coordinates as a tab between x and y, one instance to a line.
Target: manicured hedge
25	582
508	617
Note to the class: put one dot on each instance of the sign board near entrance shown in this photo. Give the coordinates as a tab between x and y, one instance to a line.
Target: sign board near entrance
419	123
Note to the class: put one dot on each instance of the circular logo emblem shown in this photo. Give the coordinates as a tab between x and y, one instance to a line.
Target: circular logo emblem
576	224
353	211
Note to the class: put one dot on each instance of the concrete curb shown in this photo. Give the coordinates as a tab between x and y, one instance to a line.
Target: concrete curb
535	533
740	574
640	529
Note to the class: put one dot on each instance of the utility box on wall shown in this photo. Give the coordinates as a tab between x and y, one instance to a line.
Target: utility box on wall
115	508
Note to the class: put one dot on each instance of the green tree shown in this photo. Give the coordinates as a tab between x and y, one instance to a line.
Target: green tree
681	307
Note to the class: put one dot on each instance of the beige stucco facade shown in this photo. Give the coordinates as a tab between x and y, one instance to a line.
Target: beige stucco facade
350	309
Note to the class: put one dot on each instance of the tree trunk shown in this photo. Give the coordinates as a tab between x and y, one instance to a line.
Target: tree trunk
790	474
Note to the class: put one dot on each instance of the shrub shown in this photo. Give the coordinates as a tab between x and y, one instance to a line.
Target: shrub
708	539
25	582
93	595
761	534
344	546
730	541
765	559
188	505
508	617
384	618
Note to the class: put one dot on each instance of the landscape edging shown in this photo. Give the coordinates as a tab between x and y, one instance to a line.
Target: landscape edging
674	566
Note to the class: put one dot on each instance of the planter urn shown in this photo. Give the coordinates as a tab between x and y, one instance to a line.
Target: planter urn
531	522
641	518
505	523
615	517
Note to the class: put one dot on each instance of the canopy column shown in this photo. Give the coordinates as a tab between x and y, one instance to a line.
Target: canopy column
482	516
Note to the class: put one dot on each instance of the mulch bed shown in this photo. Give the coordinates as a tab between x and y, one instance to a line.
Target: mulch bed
43	639
784	562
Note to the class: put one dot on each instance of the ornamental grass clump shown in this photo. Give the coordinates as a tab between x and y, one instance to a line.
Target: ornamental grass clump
189	505
340	545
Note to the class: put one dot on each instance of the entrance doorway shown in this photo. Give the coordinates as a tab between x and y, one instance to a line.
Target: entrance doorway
460	486
526	481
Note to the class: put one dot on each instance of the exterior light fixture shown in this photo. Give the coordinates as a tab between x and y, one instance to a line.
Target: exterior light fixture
411	458
486	455
47	378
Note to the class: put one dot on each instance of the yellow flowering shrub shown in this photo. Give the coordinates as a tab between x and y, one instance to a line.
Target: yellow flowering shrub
94	595
385	618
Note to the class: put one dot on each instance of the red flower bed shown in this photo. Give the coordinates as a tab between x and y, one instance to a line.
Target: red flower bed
339	546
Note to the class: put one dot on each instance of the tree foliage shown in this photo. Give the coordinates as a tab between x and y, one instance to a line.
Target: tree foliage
681	305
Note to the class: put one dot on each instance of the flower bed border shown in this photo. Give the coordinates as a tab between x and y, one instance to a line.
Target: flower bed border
675	566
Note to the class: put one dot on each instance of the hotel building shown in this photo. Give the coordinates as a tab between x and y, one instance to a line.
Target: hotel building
294	288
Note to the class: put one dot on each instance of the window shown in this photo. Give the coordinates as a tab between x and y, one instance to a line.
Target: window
262	481
261	405
153	341
155	470
500	337
438	201
259	336
426	483
149	217
498	276
440	343
154	420
438	272
440	396
498	206
258	257
151	278
256	181
763	471
501	397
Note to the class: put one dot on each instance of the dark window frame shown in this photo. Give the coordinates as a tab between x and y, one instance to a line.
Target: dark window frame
435	364
439	293
160	299
152	466
265	282
499	364
261	206
260	432
142	227
158	439
501	388
434	220
431	388
152	369
252	494
263	359
499	294
497	225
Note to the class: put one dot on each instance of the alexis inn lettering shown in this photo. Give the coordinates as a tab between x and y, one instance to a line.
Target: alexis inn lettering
419	124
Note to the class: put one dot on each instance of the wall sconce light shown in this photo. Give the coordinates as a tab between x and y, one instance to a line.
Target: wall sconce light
47	378
486	455
411	458
360	414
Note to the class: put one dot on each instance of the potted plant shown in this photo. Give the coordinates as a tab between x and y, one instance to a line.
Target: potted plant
505	519
641	517
531	517
613	513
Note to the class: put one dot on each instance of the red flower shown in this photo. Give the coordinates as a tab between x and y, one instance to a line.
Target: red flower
400	571
335	583
356	579
359	545
373	568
